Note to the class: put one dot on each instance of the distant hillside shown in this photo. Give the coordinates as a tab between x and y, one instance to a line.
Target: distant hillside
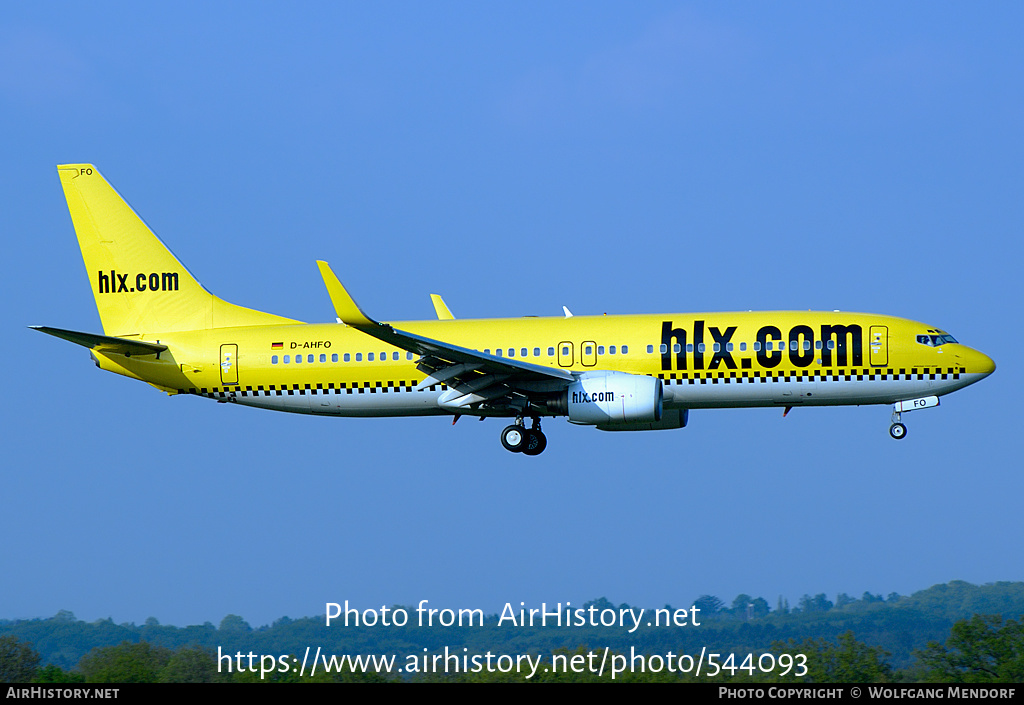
898	624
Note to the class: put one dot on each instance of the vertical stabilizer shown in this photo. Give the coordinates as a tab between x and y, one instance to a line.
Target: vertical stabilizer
139	286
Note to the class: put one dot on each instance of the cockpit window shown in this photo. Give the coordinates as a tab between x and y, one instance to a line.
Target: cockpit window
934	341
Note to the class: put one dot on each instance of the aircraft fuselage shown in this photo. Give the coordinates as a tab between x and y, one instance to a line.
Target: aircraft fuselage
712	360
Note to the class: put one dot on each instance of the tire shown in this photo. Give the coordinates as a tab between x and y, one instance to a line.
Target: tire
898	431
514	438
535	444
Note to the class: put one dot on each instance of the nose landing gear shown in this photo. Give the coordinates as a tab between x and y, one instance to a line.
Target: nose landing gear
519	439
898	431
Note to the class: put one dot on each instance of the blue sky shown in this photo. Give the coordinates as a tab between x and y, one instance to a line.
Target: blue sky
514	158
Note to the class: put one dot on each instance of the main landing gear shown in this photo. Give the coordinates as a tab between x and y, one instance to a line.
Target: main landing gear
528	441
897	430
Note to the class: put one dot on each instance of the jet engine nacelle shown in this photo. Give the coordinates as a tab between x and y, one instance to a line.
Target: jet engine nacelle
610	398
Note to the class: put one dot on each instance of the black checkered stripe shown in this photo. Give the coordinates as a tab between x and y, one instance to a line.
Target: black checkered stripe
858	374
281	390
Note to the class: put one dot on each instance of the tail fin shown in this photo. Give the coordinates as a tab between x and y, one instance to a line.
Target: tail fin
140	287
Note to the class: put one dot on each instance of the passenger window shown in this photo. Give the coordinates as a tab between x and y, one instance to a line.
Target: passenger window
273	359
565	350
700	347
359	357
511	352
717	347
677	348
743	347
650	349
792	345
689	347
728	347
408	356
551	352
817	345
334	357
807	345
625	349
394	356
589	350
536	352
309	358
369	357
611	349
487	351
323	358
757	346
663	349
497	352
383	357
523	352
600	350
348	357
287	359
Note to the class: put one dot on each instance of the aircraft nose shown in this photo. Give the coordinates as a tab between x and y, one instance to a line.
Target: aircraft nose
978	362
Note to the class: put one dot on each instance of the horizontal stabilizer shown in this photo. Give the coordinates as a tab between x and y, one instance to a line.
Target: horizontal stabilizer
104	343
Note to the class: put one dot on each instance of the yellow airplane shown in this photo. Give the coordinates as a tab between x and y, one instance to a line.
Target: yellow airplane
618	373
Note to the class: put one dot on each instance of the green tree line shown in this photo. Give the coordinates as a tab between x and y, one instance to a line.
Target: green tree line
982	649
898	626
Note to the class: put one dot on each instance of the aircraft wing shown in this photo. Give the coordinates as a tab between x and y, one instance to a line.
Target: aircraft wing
474	377
104	343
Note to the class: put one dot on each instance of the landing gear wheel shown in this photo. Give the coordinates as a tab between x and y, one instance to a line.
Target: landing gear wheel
536	442
898	431
514	438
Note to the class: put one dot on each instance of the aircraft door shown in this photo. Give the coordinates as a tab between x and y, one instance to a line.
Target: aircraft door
879	346
588	353
229	363
565	357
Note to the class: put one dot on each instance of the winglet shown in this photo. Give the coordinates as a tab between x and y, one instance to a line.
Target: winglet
345	307
443	314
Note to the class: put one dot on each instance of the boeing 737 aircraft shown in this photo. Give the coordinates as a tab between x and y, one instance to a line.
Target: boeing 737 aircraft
618	373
